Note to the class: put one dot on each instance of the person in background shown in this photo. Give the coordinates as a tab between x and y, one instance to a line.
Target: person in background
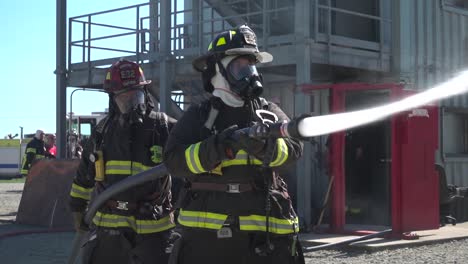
35	150
50	146
132	226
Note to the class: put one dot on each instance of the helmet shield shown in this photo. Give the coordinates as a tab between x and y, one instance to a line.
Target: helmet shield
129	99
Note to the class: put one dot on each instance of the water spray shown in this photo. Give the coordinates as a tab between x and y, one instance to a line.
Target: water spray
311	126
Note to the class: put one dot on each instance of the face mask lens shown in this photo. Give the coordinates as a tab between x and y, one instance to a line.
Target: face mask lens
242	67
128	99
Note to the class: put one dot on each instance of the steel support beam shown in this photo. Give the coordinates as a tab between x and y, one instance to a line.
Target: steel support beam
61	76
165	74
302	105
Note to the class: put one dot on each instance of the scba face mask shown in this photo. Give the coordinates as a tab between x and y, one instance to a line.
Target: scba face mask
131	102
243	77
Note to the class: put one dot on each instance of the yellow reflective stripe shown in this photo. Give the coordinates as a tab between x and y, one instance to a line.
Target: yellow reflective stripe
282	153
31	150
241	158
38	156
277	225
217	170
221	41
80	192
201	219
233	32
138	167
118	167
124	167
139	226
193	160
210	46
23	163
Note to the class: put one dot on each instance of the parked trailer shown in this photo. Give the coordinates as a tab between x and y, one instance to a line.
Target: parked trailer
11	154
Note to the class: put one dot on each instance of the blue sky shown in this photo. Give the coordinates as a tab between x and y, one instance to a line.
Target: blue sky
27	30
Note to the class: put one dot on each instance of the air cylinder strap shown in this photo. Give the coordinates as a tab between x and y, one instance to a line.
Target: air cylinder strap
222	187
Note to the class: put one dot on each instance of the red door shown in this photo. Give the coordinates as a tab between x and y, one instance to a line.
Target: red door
415	184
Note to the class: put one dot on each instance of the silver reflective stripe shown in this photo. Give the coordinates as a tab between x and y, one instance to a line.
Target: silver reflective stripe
198	219
193	156
262	224
80	192
276	225
140	226
282	153
118	167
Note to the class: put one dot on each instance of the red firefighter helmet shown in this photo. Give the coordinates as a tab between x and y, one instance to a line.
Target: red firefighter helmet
122	75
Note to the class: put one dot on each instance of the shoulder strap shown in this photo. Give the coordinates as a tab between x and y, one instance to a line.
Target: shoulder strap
214	104
263	103
99	131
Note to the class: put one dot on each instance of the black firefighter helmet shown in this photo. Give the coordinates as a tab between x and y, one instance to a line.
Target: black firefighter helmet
238	41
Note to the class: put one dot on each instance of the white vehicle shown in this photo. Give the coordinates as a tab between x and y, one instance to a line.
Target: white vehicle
11	154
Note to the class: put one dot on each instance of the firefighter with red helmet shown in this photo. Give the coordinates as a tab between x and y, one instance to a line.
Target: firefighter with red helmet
236	210
133	226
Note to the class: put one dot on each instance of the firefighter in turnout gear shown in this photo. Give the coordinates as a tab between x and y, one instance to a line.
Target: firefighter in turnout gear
133	226
235	210
35	150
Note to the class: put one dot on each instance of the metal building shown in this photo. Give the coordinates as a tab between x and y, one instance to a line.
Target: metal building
316	44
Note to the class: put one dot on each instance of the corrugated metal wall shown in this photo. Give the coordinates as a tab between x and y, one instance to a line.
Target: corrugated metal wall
438	47
430	47
456	170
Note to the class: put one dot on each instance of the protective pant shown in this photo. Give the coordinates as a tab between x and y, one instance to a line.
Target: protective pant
125	246
203	246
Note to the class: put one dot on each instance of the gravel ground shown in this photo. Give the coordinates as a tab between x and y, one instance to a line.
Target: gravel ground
10	195
55	247
448	252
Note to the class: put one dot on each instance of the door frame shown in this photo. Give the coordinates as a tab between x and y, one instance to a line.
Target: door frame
337	150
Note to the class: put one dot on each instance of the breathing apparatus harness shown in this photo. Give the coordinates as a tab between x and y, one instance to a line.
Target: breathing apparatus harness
135	119
258	110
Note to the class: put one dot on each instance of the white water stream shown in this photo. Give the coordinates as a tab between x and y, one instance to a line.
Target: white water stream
326	124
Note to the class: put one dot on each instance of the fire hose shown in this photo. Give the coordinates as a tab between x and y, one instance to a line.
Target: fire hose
130	182
302	127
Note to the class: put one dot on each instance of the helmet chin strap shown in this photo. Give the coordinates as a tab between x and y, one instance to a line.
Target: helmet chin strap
223	91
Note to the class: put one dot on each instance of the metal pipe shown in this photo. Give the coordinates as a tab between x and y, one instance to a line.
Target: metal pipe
61	76
70	121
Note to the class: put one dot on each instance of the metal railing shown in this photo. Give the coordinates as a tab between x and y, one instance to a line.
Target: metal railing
120	39
94	41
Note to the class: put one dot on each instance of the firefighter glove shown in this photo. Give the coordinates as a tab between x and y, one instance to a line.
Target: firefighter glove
226	145
252	145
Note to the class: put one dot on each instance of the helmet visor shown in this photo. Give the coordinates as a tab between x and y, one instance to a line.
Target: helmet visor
129	98
241	67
